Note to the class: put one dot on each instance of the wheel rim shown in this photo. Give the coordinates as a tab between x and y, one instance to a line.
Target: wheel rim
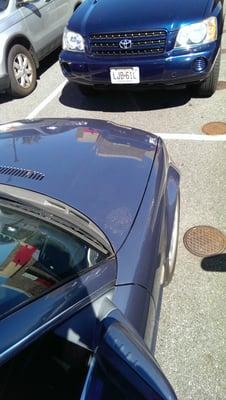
23	71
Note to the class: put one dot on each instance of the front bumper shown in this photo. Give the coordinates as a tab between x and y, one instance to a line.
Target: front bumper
175	67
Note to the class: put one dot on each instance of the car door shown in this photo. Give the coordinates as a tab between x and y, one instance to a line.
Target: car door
62	11
57	13
44	21
36	25
123	367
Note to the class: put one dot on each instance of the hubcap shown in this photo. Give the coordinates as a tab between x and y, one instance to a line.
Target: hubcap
23	72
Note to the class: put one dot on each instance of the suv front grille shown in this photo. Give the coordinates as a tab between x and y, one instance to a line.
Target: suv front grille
138	43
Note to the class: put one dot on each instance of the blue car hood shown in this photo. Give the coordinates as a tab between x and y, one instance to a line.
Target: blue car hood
96	167
10	297
125	15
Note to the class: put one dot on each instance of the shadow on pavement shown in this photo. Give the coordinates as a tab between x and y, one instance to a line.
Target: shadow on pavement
5	97
123	100
48	62
215	263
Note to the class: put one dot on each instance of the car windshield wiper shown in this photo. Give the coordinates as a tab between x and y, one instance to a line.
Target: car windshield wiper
59	216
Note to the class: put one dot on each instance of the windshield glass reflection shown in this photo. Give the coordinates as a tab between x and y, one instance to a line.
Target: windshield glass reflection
35	256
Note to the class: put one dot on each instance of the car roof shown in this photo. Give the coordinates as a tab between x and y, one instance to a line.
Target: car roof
99	168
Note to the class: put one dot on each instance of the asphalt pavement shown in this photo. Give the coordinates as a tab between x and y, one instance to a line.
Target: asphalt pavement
191	345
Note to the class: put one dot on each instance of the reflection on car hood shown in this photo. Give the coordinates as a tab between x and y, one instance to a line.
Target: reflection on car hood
99	168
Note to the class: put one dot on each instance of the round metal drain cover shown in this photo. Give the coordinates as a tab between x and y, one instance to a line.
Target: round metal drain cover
221	84
204	241
214	128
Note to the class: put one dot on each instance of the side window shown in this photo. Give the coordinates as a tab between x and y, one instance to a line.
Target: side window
35	255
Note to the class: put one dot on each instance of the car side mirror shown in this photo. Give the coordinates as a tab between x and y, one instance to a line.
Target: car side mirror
124	368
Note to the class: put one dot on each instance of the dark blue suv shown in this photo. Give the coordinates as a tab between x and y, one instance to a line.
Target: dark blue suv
145	42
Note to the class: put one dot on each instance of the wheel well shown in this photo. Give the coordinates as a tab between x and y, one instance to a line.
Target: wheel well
24	42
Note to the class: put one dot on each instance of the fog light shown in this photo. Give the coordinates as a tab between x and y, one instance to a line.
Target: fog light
200	64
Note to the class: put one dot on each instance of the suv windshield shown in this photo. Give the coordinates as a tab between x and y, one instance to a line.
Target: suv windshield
35	256
3	4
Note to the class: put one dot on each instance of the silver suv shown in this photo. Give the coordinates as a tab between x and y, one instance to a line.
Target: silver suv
29	31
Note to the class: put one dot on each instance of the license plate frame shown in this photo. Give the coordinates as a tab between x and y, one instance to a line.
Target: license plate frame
125	75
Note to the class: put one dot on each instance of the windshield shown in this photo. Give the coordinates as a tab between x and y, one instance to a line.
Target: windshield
35	256
3	4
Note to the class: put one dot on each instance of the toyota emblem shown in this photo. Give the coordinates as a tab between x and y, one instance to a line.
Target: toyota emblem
125	44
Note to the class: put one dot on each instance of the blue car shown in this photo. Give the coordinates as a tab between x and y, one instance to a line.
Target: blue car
147	42
89	214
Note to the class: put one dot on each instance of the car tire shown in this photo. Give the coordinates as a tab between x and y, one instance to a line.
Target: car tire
208	87
170	262
21	70
87	90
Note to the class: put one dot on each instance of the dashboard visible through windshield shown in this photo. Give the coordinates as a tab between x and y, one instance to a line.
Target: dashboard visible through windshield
35	256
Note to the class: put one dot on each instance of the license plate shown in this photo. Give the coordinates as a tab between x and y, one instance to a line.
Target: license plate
125	75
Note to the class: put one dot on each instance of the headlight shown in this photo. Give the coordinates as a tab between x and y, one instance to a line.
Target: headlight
200	33
73	41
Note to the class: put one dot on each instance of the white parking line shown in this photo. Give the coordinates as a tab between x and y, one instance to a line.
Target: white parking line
46	101
165	136
192	137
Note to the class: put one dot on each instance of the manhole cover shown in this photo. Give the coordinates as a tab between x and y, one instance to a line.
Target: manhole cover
214	128
204	241
221	85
